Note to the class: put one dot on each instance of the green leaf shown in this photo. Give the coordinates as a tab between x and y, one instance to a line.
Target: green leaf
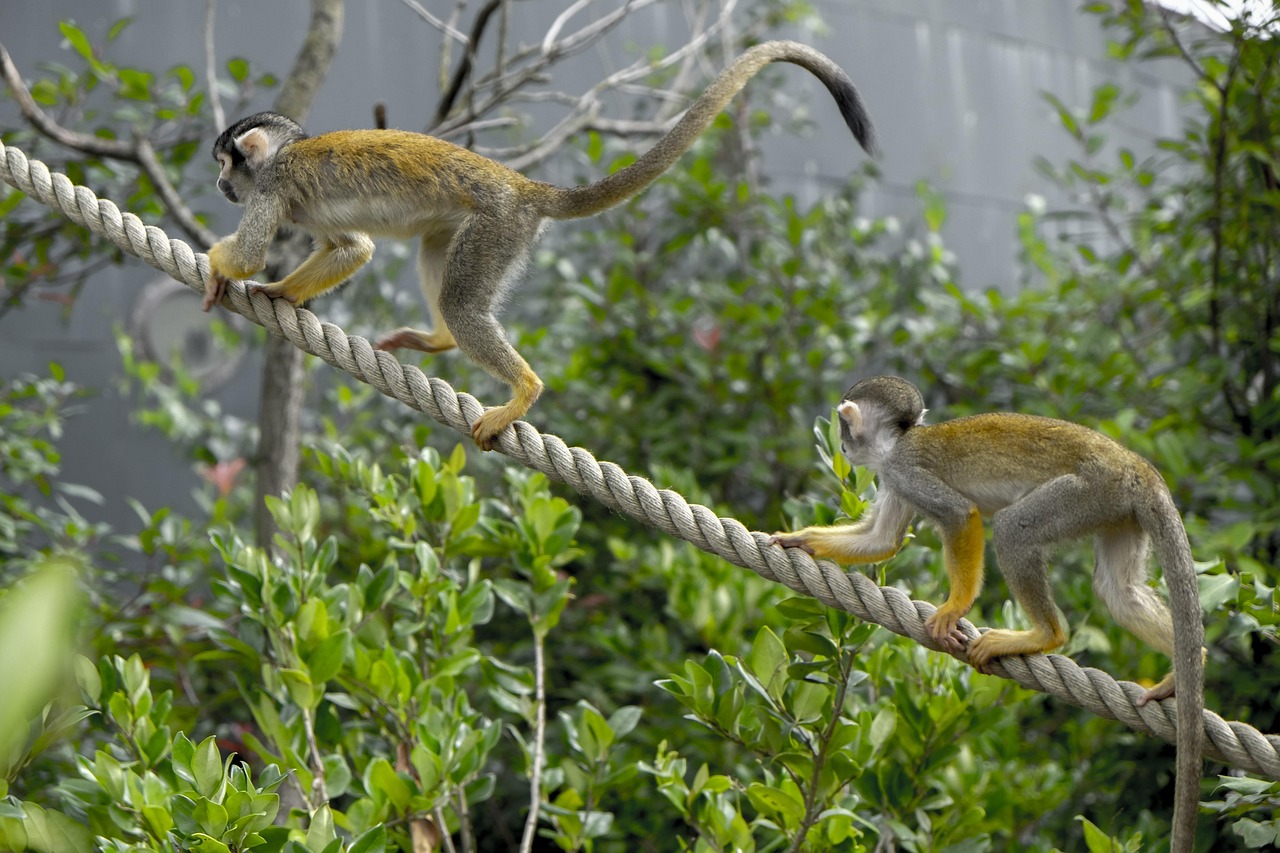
1096	840
784	808
882	727
238	69
36	631
381	777
373	841
299	685
117	28
88	679
53	832
768	661
183	754
206	768
204	844
78	40
210	817
326	661
320	833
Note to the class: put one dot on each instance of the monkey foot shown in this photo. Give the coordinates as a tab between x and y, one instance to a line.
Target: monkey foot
1164	690
999	643
271	290
790	540
406	338
945	630
487	427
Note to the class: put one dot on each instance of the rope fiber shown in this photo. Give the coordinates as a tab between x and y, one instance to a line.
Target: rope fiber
1234	743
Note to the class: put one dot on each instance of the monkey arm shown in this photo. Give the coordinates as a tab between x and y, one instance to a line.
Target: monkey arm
336	258
876	536
244	252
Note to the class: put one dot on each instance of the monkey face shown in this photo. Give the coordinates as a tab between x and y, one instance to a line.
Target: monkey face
247	147
224	183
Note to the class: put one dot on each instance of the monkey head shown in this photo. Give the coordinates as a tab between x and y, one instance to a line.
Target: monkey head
874	415
247	146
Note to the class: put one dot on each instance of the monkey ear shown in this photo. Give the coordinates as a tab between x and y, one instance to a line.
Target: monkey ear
258	146
851	415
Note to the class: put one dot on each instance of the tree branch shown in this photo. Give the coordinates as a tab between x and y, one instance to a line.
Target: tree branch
442	26
210	67
539	738
138	151
280	400
467	64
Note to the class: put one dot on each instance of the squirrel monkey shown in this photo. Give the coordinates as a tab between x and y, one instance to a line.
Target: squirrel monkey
476	218
1042	481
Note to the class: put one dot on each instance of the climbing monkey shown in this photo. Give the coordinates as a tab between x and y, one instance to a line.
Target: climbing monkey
1041	481
476	219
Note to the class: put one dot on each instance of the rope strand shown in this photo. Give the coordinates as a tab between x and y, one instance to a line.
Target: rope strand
1233	743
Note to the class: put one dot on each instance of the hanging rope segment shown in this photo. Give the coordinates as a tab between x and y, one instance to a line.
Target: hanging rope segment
1234	743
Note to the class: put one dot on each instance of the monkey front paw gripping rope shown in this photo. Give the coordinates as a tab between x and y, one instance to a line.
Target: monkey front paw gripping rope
1234	743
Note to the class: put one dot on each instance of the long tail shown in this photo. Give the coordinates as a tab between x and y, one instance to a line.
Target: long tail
1163	524
575	202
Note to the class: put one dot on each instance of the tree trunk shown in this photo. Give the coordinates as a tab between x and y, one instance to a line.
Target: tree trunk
280	406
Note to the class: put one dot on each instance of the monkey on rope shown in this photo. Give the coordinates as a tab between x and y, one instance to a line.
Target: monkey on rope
1041	481
476	218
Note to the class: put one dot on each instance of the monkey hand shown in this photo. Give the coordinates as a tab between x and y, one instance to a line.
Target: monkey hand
792	540
222	269
944	627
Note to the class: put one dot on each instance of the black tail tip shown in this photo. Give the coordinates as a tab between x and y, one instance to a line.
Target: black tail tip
859	122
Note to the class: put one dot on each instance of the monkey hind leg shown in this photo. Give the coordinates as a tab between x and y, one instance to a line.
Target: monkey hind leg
1120	580
431	262
485	252
1056	511
333	262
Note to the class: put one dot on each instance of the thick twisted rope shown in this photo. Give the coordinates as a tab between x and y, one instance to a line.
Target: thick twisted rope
1234	743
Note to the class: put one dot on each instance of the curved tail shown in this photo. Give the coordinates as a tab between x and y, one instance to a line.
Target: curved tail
1163	524
575	202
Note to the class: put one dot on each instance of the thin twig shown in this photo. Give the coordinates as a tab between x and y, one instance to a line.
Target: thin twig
539	738
211	67
169	194
499	87
319	788
450	96
442	26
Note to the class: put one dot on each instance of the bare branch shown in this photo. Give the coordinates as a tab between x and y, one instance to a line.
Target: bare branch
466	65
499	87
539	741
313	60
182	214
211	68
138	151
42	122
446	45
558	24
500	62
442	26
1171	31
477	126
577	40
